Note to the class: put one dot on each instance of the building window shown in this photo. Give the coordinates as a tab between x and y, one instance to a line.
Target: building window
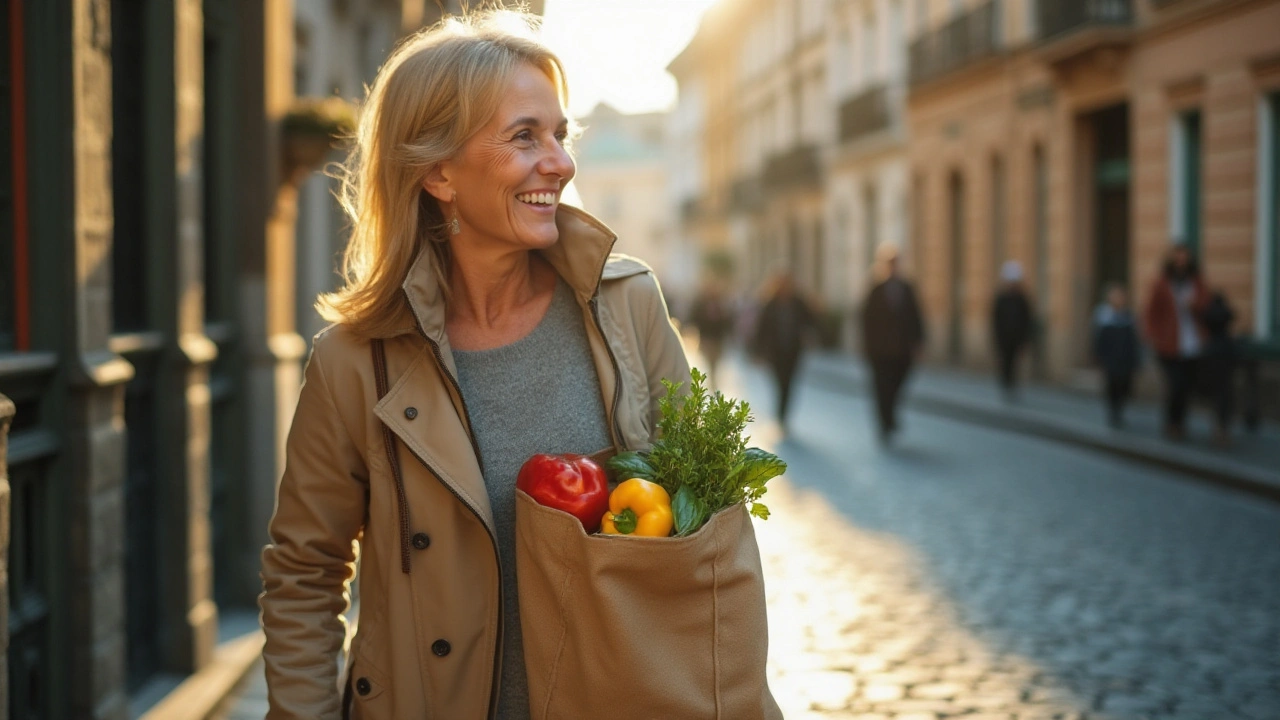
1268	265
1184	190
870	49
870	224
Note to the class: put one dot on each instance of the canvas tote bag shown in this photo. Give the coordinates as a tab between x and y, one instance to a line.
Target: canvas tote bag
632	628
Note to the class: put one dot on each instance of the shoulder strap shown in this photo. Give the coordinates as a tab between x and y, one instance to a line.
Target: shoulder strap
389	441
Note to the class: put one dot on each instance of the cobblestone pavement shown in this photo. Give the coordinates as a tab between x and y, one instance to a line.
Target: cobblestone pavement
969	572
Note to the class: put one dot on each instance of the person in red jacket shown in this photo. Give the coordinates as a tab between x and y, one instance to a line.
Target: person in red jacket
1175	329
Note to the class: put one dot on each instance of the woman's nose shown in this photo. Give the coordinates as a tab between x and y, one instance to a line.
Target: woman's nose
558	162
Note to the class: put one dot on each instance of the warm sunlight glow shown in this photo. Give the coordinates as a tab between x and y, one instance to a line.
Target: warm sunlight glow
616	51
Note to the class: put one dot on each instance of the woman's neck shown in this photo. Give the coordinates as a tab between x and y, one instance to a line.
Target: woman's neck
489	288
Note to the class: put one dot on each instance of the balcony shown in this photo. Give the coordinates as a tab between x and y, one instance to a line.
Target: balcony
970	37
794	168
1069	28
864	114
745	195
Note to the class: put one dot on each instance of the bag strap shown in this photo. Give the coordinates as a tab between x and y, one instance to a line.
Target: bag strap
389	441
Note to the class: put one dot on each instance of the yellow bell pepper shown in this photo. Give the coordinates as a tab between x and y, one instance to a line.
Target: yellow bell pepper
638	507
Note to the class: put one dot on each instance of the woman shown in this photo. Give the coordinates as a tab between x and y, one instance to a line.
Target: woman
481	323
1174	327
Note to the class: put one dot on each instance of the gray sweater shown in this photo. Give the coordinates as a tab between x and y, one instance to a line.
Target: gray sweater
540	394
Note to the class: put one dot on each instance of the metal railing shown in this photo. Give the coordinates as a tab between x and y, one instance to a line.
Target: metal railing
967	38
1059	17
799	166
864	113
745	195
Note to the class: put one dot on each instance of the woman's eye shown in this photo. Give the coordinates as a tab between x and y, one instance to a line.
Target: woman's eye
524	136
561	137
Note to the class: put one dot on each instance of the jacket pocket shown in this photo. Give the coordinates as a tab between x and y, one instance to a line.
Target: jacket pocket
363	697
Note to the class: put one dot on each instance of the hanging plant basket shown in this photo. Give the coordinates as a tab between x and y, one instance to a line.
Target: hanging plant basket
311	130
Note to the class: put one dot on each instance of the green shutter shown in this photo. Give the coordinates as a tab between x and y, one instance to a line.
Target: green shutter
1273	217
1191	194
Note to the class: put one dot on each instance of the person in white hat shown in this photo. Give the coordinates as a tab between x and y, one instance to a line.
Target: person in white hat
1011	324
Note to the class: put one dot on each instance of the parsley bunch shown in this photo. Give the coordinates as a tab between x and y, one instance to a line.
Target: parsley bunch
702	458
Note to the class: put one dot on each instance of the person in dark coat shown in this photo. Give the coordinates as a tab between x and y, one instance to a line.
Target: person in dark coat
712	314
781	329
1116	350
892	336
1011	324
1217	365
1173	322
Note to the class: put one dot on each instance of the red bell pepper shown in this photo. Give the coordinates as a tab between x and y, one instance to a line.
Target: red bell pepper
572	483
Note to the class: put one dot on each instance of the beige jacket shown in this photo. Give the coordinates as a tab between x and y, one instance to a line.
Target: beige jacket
428	643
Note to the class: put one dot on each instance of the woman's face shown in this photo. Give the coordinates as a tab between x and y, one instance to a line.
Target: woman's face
509	175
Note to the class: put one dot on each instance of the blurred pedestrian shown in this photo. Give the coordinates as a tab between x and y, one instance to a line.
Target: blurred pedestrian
1217	366
1116	350
1011	324
712	314
892	335
1174	327
469	327
782	329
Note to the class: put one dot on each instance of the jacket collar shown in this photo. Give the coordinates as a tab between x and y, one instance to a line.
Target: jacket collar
579	257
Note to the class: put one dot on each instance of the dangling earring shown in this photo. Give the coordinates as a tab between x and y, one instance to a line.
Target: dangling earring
455	227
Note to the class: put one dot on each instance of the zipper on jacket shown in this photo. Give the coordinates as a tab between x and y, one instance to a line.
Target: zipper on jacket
493	538
617	371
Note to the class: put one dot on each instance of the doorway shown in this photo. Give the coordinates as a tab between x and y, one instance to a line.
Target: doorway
1111	172
956	220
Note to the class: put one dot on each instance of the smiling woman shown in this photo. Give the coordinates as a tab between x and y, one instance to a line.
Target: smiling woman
481	323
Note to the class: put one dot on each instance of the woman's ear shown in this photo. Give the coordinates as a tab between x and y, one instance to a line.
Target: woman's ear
437	183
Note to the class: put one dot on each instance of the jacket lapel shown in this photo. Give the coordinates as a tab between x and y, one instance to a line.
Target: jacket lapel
436	434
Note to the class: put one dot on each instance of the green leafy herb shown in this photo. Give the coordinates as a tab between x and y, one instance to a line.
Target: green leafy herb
688	510
630	464
703	457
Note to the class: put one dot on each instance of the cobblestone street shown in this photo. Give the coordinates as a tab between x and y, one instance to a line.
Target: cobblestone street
971	572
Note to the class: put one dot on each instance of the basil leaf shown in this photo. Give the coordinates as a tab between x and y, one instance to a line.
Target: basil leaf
760	511
755	469
630	464
689	511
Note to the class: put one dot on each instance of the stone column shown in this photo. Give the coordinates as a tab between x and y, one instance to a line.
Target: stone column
95	436
188	612
272	348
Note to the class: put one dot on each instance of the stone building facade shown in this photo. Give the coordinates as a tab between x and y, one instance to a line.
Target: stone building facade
1083	139
146	338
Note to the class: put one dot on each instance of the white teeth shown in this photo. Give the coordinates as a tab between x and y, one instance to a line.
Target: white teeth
538	198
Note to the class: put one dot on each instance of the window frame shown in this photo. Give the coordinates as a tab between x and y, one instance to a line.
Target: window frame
1267	302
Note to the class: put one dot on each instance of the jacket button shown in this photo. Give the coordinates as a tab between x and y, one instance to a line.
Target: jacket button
363	687
441	648
411	412
421	541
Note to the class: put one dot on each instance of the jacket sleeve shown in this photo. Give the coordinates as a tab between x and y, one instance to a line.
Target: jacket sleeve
664	356
320	508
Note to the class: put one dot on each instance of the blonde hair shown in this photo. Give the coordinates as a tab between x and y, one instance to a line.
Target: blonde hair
436	90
